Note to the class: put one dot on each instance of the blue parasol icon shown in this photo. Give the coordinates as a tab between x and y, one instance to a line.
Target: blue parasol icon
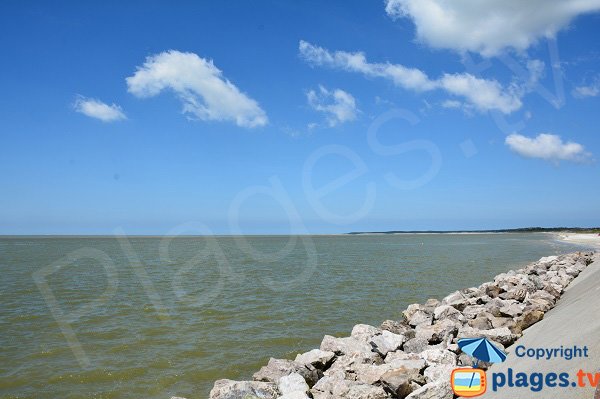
481	349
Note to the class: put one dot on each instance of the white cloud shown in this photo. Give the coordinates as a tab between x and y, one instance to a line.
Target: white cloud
488	26
591	90
99	110
549	147
200	86
482	94
340	106
452	104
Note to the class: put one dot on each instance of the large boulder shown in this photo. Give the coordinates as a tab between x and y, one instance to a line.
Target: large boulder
439	332
470	312
444	312
345	366
387	342
400	381
529	317
364	391
512	309
294	395
348	346
316	358
437	356
292	383
398	327
501	335
457	300
415	345
438	372
336	388
434	390
416	314
229	389
364	332
407	360
481	321
277	368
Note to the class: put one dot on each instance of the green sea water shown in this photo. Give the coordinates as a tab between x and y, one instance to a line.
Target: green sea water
150	317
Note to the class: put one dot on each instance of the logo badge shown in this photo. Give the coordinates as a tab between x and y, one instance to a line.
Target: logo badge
468	382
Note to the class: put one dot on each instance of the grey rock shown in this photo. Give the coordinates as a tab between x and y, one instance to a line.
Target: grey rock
500	335
481	321
347	346
364	391
436	390
229	389
334	388
415	345
457	299
470	312
400	381
292	383
438	372
277	368
431	304
387	342
295	395
398	327
407	360
512	309
439	332
316	358
448	312
517	293
417	314
540	304
436	356
364	332
345	366
529	317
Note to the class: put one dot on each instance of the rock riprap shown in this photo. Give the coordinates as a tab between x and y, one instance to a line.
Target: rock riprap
413	357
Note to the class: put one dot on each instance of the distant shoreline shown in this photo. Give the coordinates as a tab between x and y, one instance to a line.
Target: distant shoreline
497	231
555	230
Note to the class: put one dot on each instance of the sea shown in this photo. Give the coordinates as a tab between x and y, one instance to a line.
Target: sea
155	317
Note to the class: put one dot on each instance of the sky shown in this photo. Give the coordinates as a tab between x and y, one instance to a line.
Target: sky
276	117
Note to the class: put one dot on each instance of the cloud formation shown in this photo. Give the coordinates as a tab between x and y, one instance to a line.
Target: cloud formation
200	86
338	105
549	147
591	90
98	110
488	26
481	94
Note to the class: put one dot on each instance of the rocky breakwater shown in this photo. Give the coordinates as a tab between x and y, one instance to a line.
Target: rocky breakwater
413	357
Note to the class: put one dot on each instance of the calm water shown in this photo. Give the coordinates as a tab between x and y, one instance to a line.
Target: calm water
151	317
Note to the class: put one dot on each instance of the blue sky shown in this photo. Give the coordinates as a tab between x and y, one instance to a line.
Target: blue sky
233	115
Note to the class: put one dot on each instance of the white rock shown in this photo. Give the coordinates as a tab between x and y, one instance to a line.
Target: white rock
437	356
227	389
387	342
438	372
547	259
315	357
437	390
292	383
295	395
364	332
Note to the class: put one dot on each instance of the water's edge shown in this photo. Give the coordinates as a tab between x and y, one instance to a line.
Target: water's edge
414	357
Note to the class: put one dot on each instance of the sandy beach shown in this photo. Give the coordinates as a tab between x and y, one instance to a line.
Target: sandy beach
592	239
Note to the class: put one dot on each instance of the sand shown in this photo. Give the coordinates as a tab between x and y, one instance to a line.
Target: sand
591	239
